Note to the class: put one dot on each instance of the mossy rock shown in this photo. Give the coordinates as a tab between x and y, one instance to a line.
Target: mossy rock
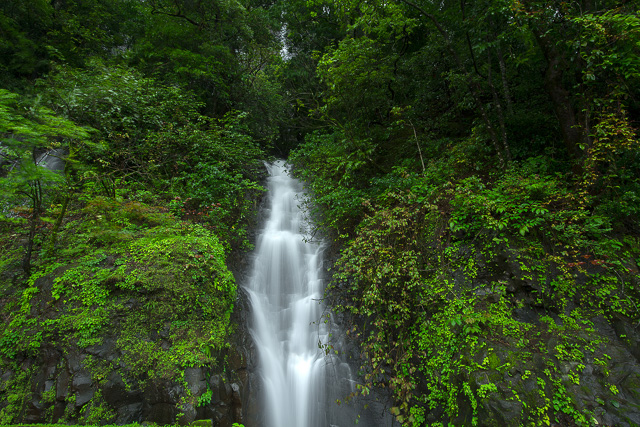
145	307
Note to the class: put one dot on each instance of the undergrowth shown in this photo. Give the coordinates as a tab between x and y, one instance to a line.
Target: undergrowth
479	288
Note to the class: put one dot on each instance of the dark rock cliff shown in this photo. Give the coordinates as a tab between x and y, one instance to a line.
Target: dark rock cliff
70	384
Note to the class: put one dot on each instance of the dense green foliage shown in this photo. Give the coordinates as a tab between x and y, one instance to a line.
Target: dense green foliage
488	211
154	119
477	163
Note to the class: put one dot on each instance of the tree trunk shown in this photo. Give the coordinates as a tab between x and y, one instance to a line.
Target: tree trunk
572	131
498	104
505	83
36	199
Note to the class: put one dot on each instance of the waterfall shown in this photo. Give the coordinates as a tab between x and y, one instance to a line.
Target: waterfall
53	159
286	290
300	383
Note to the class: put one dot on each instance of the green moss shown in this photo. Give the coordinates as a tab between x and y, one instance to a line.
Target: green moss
16	391
159	290
98	411
494	360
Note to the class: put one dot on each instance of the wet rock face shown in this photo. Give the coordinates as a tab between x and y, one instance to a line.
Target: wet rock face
100	357
575	369
587	387
242	361
62	386
589	369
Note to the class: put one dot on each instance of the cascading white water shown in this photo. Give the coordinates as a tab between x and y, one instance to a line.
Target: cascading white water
285	290
53	159
300	383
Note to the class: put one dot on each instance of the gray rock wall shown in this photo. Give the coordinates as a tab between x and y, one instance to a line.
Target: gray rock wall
63	386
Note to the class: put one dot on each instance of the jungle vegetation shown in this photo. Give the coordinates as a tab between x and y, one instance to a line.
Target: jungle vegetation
469	161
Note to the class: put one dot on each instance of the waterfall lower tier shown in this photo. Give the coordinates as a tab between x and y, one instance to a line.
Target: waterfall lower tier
300	383
285	292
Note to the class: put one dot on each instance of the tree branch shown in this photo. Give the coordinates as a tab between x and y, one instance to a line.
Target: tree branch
178	14
474	87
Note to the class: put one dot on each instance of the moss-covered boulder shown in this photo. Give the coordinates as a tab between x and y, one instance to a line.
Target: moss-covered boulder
134	306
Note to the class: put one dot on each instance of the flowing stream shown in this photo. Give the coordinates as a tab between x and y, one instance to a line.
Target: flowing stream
285	290
300	383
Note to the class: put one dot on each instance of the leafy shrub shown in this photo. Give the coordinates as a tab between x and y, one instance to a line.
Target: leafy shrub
423	275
